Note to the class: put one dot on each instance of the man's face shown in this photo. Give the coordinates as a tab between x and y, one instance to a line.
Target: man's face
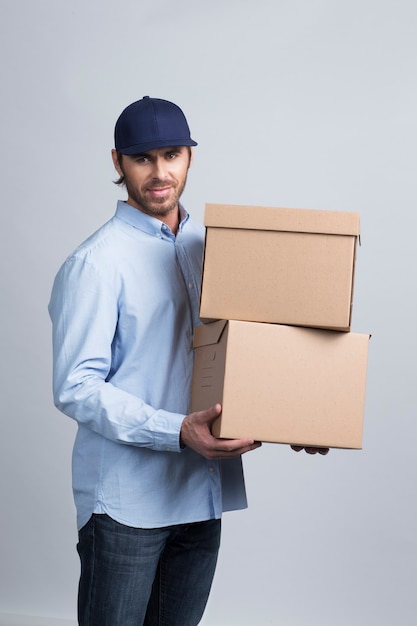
155	179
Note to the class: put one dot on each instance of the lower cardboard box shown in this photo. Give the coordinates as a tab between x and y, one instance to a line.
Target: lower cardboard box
282	384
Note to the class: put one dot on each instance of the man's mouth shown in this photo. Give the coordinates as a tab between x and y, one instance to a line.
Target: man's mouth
159	192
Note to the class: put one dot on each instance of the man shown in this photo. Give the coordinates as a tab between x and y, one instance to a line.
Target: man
150	481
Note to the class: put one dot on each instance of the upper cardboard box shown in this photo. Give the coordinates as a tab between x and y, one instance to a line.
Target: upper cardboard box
282	384
284	266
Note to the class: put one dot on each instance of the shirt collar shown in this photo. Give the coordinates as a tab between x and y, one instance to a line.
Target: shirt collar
144	222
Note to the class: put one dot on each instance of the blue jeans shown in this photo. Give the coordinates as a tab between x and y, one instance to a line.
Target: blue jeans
145	577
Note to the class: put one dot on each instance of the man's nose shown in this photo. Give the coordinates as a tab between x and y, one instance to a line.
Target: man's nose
160	169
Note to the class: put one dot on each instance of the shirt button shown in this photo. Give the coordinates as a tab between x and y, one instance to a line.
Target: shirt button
211	469
158	234
190	285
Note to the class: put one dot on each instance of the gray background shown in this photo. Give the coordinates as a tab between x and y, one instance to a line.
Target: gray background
301	103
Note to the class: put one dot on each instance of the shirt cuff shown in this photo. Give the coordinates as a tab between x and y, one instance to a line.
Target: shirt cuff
168	436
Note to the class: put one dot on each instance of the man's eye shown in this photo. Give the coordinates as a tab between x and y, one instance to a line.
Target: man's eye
141	158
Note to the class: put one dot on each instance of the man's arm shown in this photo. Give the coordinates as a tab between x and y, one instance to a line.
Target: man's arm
84	312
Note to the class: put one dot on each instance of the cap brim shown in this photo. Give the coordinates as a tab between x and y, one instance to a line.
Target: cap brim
153	145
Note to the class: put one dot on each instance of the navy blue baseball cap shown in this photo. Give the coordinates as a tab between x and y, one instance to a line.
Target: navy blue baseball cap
151	123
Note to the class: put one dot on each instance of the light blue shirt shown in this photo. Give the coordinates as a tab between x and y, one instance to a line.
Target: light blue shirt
123	306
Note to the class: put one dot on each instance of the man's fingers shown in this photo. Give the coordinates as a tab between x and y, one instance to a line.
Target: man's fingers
209	415
311	449
214	411
322	451
233	445
228	448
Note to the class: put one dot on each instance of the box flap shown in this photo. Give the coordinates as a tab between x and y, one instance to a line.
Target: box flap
208	334
290	220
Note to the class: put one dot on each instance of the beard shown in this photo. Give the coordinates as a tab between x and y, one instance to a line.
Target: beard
157	207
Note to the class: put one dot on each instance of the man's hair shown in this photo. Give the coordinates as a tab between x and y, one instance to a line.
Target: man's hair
121	180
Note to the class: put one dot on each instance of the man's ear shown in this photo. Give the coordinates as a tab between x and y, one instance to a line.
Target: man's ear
116	162
191	156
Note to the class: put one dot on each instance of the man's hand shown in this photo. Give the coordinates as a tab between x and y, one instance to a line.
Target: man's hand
196	434
311	450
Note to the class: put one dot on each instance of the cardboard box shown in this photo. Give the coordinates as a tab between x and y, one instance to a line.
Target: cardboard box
284	266
282	384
